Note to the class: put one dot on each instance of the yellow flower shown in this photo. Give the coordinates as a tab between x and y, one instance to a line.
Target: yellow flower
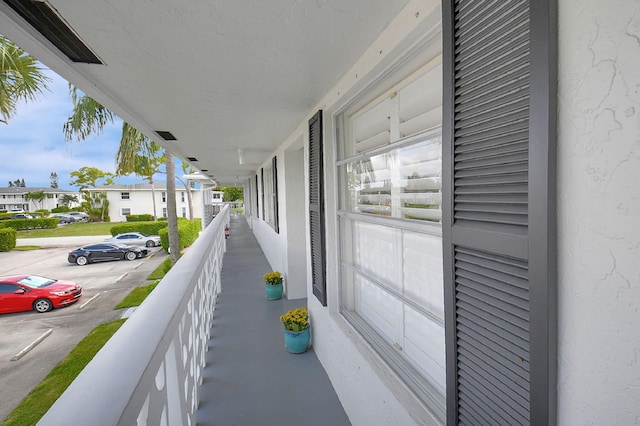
296	319
273	278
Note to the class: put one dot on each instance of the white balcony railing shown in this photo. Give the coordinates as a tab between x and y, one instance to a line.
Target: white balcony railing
149	372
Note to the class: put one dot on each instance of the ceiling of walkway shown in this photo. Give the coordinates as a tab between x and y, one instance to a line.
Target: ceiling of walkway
219	75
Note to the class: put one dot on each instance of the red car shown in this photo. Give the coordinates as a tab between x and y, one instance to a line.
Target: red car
31	292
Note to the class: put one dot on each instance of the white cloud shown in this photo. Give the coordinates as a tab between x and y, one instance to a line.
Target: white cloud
32	144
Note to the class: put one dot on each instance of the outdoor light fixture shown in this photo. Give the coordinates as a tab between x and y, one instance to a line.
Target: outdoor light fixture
241	158
192	159
167	136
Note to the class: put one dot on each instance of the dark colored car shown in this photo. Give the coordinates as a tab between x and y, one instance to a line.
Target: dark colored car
62	218
79	216
31	292
103	252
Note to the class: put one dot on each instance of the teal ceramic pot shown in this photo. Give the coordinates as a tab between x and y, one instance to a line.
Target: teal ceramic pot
297	342
273	292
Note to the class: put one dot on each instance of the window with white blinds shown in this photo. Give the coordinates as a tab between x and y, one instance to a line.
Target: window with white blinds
390	211
396	151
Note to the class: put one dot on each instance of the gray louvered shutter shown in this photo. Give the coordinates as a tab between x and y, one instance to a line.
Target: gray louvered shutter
274	170
316	208
498	211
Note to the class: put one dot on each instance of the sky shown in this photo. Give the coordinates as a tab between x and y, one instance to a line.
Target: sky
32	144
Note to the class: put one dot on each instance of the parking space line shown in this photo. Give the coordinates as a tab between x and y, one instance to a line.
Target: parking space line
32	345
138	265
90	300
121	277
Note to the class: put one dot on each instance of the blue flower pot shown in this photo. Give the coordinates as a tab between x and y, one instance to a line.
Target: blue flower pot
297	342
273	292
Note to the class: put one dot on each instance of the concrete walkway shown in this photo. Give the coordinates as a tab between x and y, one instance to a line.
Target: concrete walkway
250	379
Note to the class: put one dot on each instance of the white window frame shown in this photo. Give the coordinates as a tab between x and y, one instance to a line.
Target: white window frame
164	197
125	211
125	196
391	342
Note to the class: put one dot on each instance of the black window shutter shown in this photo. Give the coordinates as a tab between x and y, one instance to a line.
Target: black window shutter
262	192
316	208
274	169
257	198
499	211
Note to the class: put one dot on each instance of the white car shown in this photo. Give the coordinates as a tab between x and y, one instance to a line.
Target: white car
79	216
136	239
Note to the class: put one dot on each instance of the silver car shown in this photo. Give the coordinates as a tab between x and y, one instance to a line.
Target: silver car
136	239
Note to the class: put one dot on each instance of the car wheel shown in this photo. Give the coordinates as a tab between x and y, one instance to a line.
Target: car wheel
130	255
42	305
150	244
82	260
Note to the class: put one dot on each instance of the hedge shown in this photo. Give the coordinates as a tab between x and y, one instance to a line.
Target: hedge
188	230
23	224
139	218
7	239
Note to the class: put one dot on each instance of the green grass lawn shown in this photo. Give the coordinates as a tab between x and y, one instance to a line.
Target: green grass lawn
71	230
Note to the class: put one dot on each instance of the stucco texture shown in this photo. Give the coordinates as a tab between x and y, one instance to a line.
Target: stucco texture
599	213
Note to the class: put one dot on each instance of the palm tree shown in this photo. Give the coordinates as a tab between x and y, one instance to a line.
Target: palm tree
130	160
67	199
36	196
20	78
88	117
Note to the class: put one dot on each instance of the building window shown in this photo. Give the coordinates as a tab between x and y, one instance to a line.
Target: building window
125	211
164	212
164	197
184	212
49	195
124	196
182	196
390	168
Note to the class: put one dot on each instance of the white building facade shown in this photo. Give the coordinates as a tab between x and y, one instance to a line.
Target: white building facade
13	198
139	199
459	208
562	351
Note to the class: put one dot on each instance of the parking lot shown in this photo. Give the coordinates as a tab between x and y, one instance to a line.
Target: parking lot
104	285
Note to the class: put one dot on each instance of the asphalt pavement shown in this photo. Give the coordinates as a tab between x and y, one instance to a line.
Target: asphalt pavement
104	285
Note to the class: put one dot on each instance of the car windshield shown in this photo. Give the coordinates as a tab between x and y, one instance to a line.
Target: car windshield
35	281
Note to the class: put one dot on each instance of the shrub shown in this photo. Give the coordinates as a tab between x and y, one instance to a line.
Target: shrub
60	209
149	228
188	231
23	224
7	239
139	218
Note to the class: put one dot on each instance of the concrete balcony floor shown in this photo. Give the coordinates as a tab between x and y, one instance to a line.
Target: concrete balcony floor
250	379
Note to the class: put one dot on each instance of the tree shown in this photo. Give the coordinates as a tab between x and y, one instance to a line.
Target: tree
130	160
186	169
54	179
20	78
88	117
88	177
67	199
36	196
231	193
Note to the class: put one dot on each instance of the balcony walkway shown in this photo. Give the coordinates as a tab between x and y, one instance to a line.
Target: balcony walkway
250	379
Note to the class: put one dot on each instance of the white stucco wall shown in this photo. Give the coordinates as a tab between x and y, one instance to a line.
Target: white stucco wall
141	202
599	213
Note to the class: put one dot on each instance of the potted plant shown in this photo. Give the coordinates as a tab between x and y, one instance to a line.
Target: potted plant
273	285
297	330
